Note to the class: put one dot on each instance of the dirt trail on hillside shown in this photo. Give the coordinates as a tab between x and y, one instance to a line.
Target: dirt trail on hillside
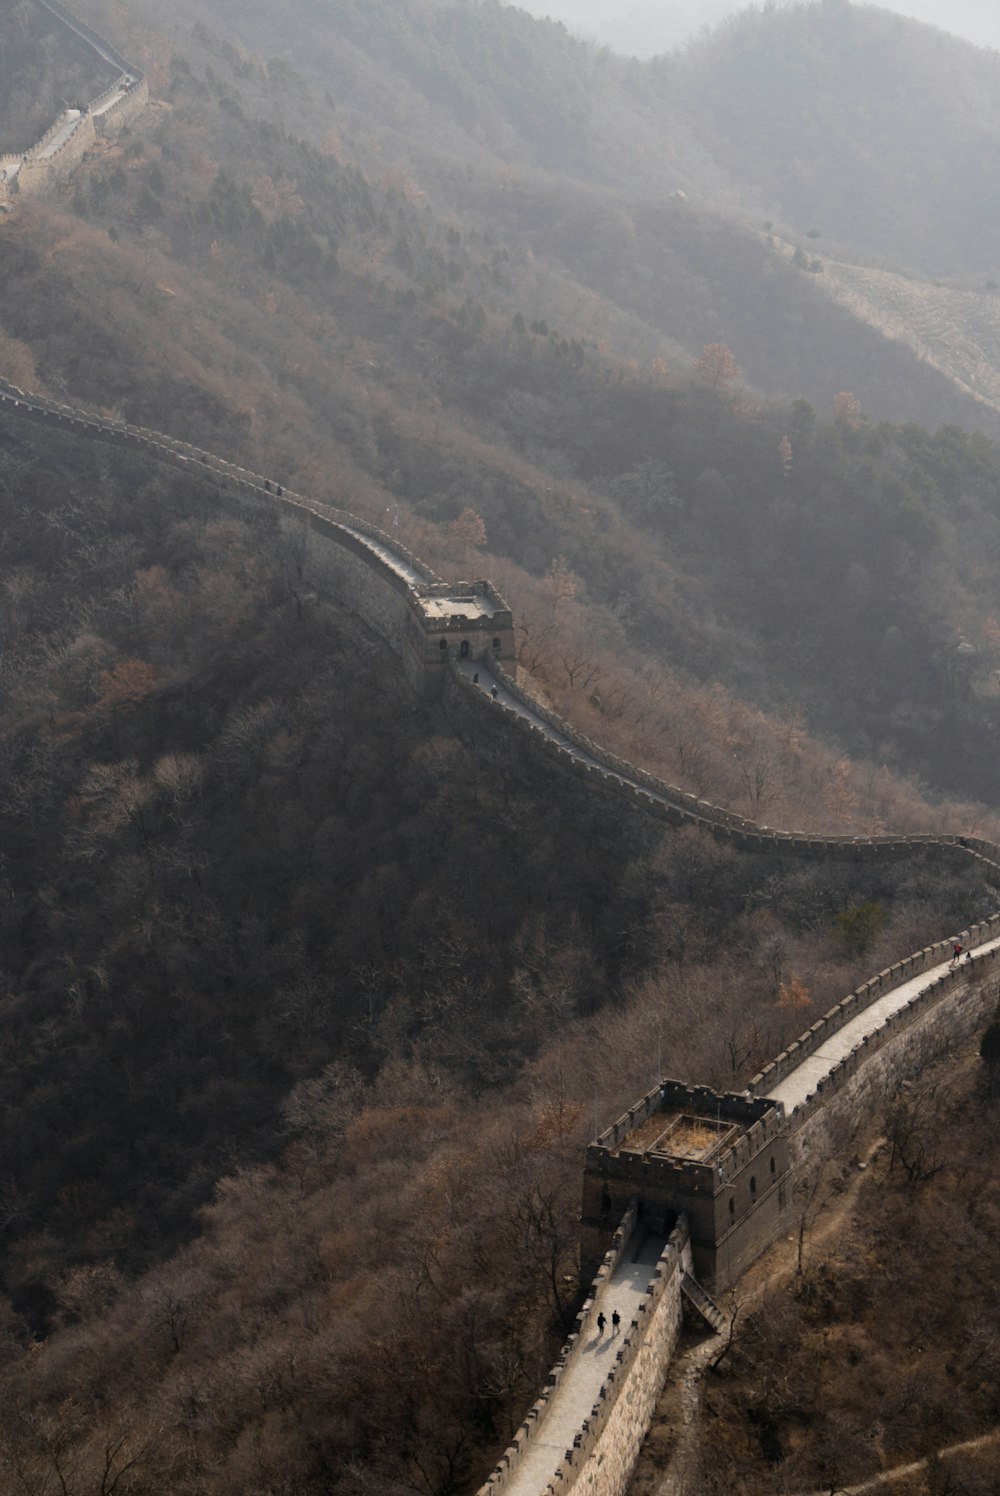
903	1472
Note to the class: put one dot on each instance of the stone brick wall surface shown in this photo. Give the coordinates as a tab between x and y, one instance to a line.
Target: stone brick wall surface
604	1452
606	1449
944	1016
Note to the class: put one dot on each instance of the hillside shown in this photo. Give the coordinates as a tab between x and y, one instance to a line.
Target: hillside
334	326
576	157
877	131
954	328
310	1001
280	951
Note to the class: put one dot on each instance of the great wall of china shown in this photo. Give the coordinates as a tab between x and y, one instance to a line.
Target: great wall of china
706	1177
690	1183
76	130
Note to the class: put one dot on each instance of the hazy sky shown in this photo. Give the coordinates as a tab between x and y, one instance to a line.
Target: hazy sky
643	27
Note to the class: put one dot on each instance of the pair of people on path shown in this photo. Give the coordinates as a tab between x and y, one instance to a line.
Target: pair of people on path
616	1320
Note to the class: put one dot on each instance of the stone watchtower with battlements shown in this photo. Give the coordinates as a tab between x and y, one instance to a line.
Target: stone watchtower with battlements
717	1157
465	620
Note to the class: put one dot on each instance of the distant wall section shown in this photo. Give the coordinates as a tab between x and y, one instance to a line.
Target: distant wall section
44	164
426	622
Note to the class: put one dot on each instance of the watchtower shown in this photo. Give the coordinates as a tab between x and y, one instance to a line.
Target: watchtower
721	1158
465	620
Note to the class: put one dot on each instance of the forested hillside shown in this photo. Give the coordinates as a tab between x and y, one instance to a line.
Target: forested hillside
577	157
329	324
309	1004
291	970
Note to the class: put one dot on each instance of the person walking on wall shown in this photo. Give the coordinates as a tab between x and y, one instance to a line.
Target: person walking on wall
956	954
493	693
616	1321
601	1322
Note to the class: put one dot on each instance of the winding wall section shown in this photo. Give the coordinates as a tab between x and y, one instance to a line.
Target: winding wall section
76	131
468	629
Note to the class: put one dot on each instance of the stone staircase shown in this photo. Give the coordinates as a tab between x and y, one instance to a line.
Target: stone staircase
703	1304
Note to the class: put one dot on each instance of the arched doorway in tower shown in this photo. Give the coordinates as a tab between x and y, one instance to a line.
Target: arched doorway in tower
463	653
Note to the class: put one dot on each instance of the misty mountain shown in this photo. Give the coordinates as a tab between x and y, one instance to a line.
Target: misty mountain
313	993
879	132
643	184
646	30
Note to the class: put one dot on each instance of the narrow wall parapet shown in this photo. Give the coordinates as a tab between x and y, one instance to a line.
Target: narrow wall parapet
38	166
508	1463
862	997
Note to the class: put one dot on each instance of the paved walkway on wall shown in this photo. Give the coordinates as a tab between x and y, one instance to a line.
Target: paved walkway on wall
488	682
401	567
593	1359
803	1080
71	119
102	106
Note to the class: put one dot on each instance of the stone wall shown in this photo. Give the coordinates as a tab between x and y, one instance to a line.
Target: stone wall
125	98
125	108
40	172
849	1007
357	563
946	1015
87	34
359	579
676	807
604	1451
583	1325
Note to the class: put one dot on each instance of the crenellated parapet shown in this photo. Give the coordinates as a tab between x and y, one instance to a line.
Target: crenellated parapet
75	131
858	1001
552	737
612	1427
720	1159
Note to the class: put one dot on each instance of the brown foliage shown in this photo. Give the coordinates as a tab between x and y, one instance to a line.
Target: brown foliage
126	684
